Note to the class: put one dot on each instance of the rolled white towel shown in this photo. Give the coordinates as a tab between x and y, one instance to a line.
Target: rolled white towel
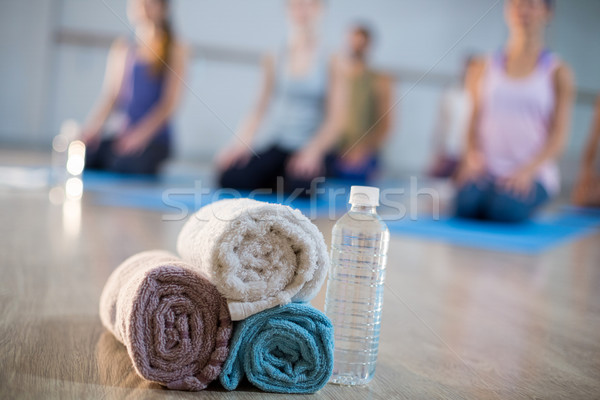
259	255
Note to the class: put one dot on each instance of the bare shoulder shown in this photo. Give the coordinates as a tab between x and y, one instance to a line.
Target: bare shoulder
384	78
117	54
477	66
338	67
383	81
120	43
475	73
563	75
338	63
268	59
119	46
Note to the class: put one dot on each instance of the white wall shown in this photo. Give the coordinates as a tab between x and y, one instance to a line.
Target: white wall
47	83
25	48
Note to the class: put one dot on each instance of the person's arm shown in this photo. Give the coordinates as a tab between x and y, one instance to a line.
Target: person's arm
238	152
561	120
144	131
439	137
308	162
385	114
591	148
521	181
250	126
473	164
587	187
113	78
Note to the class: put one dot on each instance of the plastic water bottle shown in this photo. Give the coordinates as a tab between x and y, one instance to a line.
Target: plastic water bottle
354	297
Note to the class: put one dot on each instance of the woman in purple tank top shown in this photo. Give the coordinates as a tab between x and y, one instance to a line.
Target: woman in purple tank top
523	97
142	86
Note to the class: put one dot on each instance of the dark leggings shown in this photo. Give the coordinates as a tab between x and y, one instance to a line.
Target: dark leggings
105	158
485	199
262	171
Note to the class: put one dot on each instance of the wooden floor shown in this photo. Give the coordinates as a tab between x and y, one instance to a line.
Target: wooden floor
458	323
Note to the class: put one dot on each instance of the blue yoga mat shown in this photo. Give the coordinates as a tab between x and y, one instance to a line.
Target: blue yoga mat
533	237
179	195
175	203
176	195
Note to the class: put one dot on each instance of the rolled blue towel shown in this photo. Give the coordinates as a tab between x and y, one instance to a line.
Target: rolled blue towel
285	349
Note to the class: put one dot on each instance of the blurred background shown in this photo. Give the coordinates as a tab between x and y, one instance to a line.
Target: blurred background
54	54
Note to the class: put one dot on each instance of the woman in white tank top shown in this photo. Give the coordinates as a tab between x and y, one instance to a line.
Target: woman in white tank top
522	104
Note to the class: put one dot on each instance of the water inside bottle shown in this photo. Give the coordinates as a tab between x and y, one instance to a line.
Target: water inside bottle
354	296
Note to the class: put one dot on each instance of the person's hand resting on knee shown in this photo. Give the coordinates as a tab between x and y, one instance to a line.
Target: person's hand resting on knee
587	188
519	183
236	154
91	135
357	158
134	141
471	169
306	164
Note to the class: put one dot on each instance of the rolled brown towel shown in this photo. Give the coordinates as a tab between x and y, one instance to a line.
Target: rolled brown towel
172	320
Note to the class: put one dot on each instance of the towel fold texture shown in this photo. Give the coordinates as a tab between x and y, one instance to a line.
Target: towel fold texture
286	349
259	255
172	320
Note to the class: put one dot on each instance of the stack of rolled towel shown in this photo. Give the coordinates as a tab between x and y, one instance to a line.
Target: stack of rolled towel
254	263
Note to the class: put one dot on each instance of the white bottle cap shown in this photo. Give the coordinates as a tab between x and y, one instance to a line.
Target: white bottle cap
364	196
